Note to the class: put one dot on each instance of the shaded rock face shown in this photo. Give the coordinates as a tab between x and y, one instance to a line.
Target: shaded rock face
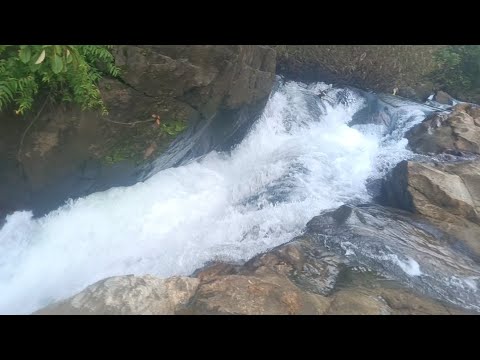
72	153
448	194
418	92
300	277
456	133
377	67
204	76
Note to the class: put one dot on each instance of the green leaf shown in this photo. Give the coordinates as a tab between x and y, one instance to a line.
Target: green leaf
40	58
25	54
57	64
5	90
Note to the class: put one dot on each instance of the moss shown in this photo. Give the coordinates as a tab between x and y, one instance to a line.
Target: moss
133	145
120	153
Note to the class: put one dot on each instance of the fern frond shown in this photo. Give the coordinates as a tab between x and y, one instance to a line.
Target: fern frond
70	72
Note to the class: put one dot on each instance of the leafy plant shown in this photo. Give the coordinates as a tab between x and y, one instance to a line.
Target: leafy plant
458	67
69	72
174	128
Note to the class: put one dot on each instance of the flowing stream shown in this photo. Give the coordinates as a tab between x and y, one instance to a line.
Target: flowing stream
302	156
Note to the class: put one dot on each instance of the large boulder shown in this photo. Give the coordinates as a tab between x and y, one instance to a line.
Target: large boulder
448	194
456	132
128	295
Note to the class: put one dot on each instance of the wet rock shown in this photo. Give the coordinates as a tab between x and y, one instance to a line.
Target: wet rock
442	132
418	92
290	279
306	263
443	98
398	245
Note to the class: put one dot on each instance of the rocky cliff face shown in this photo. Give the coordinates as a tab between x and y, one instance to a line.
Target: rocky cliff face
71	153
206	77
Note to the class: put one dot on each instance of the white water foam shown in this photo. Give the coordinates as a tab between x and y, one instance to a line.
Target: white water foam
294	163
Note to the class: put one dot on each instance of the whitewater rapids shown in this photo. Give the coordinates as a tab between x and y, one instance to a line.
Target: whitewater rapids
299	158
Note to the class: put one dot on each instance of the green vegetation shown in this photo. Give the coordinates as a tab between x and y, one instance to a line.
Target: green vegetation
174	128
458	68
134	145
69	73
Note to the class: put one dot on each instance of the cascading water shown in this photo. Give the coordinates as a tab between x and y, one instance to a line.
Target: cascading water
299	158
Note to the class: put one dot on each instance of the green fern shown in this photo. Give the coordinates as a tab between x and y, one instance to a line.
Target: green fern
69	72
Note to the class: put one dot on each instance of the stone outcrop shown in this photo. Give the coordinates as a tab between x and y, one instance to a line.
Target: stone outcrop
448	194
206	77
443	98
456	132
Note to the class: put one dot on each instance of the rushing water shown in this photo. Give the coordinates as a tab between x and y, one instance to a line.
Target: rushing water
300	157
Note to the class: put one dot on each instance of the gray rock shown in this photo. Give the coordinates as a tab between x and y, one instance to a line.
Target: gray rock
401	246
204	76
458	131
443	98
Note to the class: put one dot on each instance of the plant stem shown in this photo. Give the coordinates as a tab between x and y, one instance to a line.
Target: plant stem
29	126
130	123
